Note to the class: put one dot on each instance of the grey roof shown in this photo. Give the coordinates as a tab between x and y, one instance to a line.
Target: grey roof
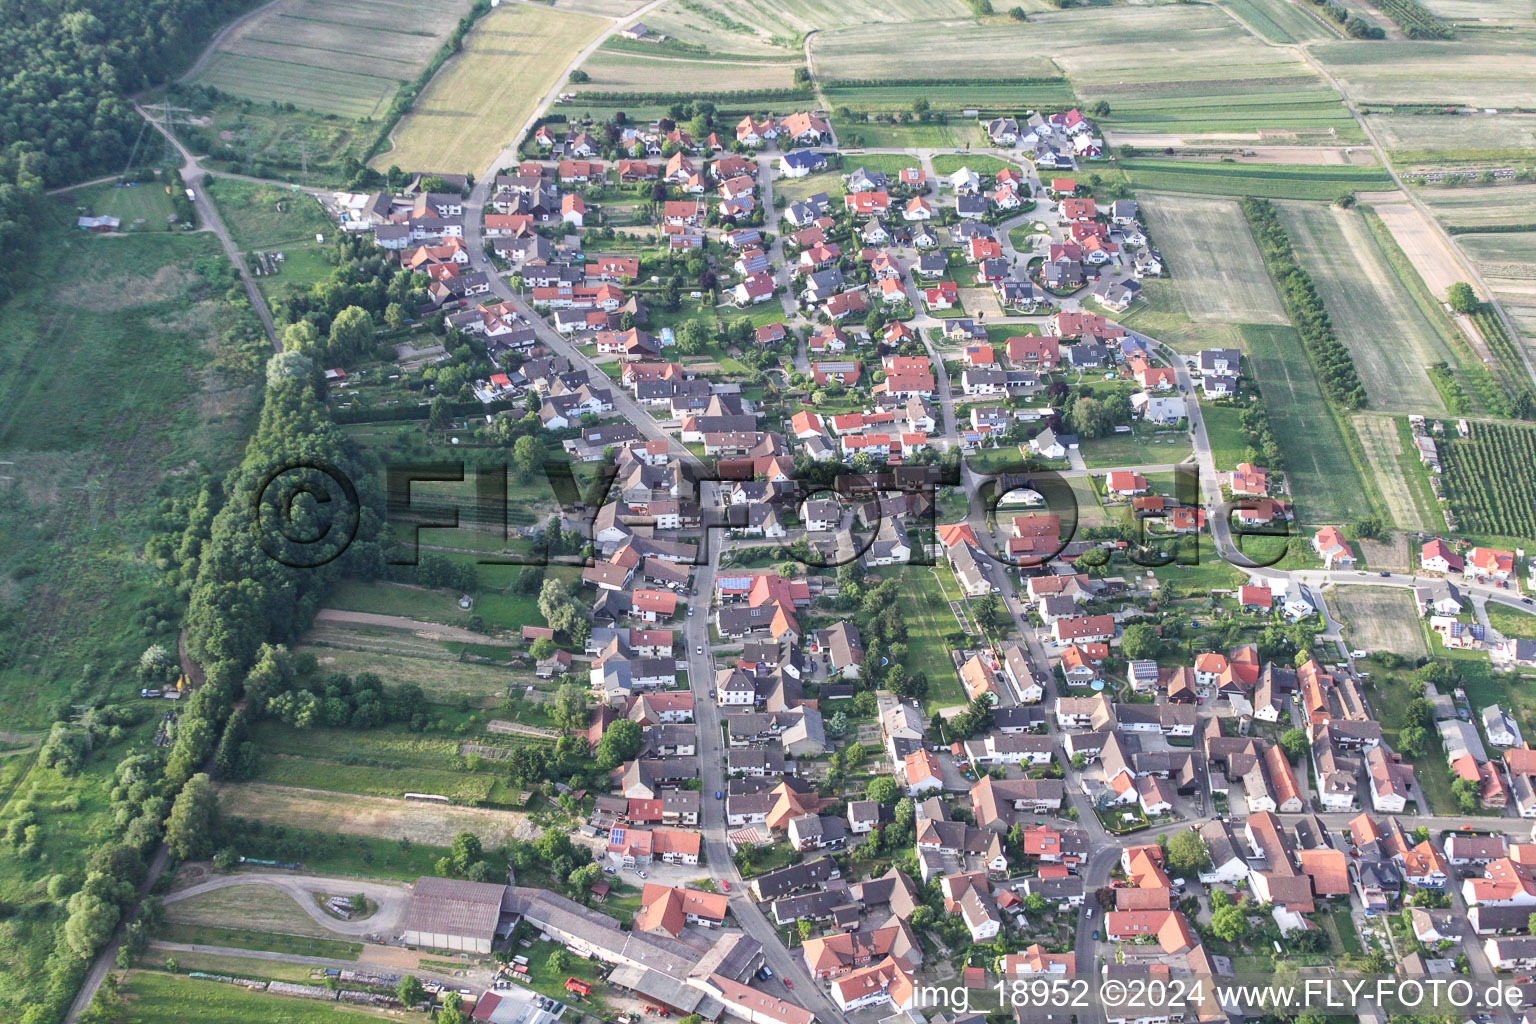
449	906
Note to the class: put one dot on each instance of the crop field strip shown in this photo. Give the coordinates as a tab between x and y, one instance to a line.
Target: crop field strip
1486	70
345	57
1466	208
1215	270
1323	479
482	95
1374	316
1518	11
779	24
1489	480
1170	67
1438	140
1383	448
1269	181
631	72
1278	21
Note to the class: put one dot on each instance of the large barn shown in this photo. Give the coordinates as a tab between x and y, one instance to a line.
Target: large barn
449	914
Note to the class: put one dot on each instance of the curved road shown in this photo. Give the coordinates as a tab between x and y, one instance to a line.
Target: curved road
392	899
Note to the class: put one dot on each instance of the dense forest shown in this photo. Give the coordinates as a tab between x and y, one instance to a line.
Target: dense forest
64	112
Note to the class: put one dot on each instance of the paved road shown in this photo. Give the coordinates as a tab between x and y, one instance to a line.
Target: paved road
391	899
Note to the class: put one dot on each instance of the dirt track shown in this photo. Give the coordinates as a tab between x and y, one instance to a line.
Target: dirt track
390	898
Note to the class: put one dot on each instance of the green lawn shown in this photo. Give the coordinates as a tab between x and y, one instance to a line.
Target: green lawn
155	998
141	207
887	163
1511	621
948	163
1229	442
331	853
928	619
1138	448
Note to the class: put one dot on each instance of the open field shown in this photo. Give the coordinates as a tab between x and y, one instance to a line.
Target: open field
345	57
1172	67
85	474
928	619
274	219
1485	70
1374	315
894	96
1508	263
1278	21
1323	479
442	679
261	908
483	96
1440	139
1482	205
1425	247
1383	448
632	72
740	25
155	998
371	817
1379	619
1215	272
1274	181
1481	10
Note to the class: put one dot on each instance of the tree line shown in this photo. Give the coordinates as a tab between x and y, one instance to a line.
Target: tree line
1332	361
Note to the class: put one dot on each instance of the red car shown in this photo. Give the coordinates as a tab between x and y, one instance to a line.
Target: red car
725	884
788	983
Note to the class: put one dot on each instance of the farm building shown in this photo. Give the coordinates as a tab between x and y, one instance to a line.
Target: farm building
445	913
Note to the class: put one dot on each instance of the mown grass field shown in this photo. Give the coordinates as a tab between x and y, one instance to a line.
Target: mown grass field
261	908
1214	269
1326	486
155	998
478	101
1384	454
145	206
1372	312
1482	205
891	97
345	57
1224	429
928	619
1269	181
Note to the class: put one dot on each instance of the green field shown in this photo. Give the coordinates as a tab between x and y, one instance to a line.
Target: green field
84	474
1223	427
949	163
1374	315
1278	21
274	219
346	57
1141	447
1324	481
928	619
155	998
243	136
776	25
671	74
1512	621
1270	181
1215	273
896	97
1438	139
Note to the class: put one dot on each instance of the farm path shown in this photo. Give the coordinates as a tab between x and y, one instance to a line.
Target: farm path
391	899
810	69
431	630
